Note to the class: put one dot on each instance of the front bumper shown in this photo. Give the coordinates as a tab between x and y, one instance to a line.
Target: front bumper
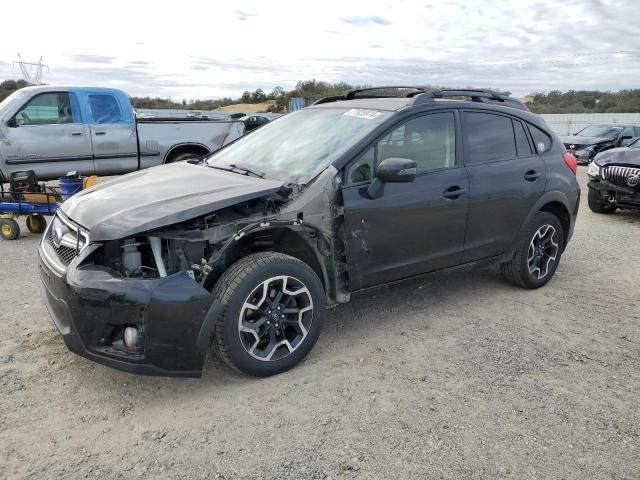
90	306
625	197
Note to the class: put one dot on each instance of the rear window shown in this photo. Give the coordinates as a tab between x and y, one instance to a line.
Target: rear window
541	140
490	137
104	109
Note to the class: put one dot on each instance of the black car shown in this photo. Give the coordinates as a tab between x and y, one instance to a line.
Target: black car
591	140
614	179
246	249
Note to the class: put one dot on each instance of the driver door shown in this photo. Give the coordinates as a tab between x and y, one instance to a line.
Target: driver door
49	137
412	228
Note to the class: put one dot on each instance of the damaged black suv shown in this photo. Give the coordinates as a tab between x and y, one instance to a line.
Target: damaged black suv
245	249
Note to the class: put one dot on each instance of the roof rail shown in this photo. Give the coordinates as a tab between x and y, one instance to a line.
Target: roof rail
420	95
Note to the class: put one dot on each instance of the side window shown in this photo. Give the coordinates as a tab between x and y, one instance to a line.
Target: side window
429	140
541	140
522	142
627	132
490	137
104	108
46	109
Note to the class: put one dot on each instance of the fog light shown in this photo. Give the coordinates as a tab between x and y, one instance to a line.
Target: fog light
131	337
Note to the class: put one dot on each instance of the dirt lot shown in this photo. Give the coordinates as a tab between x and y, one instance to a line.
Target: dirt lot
458	377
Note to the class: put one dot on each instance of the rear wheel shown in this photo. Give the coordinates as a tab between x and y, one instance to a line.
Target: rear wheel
538	252
9	229
36	223
274	309
599	203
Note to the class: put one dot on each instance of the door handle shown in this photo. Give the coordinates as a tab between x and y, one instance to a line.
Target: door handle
101	133
531	176
76	134
453	192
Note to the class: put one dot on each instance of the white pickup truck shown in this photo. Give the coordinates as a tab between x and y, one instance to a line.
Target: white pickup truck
55	130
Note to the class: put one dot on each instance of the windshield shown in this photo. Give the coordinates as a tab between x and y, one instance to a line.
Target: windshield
5	104
604	131
298	146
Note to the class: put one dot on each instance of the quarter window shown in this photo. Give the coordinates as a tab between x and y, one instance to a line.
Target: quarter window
104	108
46	109
490	137
541	140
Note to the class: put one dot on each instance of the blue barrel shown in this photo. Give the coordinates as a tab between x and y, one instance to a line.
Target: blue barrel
69	186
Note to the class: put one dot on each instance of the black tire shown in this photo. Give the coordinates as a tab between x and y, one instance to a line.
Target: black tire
597	204
517	270
9	229
36	223
183	157
239	285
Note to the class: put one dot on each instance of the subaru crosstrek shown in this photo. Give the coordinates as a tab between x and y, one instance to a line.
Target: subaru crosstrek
245	249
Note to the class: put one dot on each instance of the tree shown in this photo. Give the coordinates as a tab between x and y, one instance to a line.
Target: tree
258	96
246	97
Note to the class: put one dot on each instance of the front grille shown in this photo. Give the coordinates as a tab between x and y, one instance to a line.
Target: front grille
624	176
64	241
64	253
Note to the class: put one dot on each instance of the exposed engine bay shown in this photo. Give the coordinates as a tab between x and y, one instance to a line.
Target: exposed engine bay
192	246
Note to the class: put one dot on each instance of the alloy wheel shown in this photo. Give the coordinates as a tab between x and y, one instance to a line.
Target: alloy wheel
543	251
275	318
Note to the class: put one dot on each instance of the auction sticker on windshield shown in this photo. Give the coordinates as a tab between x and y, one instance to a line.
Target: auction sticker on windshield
357	112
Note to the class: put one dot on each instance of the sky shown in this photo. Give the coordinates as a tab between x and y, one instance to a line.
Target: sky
209	49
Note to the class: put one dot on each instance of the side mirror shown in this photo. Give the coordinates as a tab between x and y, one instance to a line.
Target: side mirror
624	141
392	170
12	122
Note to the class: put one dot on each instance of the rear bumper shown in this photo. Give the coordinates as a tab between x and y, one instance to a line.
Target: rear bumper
91	307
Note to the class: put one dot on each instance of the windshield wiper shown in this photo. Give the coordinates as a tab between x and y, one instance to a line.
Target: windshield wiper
247	171
239	170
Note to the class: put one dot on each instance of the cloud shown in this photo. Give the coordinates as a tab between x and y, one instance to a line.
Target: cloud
92	59
365	21
243	16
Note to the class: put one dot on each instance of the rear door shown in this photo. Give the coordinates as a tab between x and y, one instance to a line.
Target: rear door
416	227
506	178
113	133
49	137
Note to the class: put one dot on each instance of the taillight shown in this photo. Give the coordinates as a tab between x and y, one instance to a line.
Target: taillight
571	162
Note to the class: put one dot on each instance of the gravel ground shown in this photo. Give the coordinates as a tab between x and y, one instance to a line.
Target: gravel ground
460	376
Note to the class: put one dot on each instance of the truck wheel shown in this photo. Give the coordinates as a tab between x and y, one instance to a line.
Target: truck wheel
36	223
274	309
537	254
9	229
598	204
183	157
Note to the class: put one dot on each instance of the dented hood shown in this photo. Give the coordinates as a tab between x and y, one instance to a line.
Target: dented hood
585	141
627	157
160	196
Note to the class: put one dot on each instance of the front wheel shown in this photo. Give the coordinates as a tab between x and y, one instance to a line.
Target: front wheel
537	253
601	204
274	309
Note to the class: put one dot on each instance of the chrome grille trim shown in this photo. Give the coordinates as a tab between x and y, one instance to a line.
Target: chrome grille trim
618	175
63	241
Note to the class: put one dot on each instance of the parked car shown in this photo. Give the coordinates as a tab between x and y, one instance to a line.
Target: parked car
251	245
257	120
55	130
614	179
591	140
